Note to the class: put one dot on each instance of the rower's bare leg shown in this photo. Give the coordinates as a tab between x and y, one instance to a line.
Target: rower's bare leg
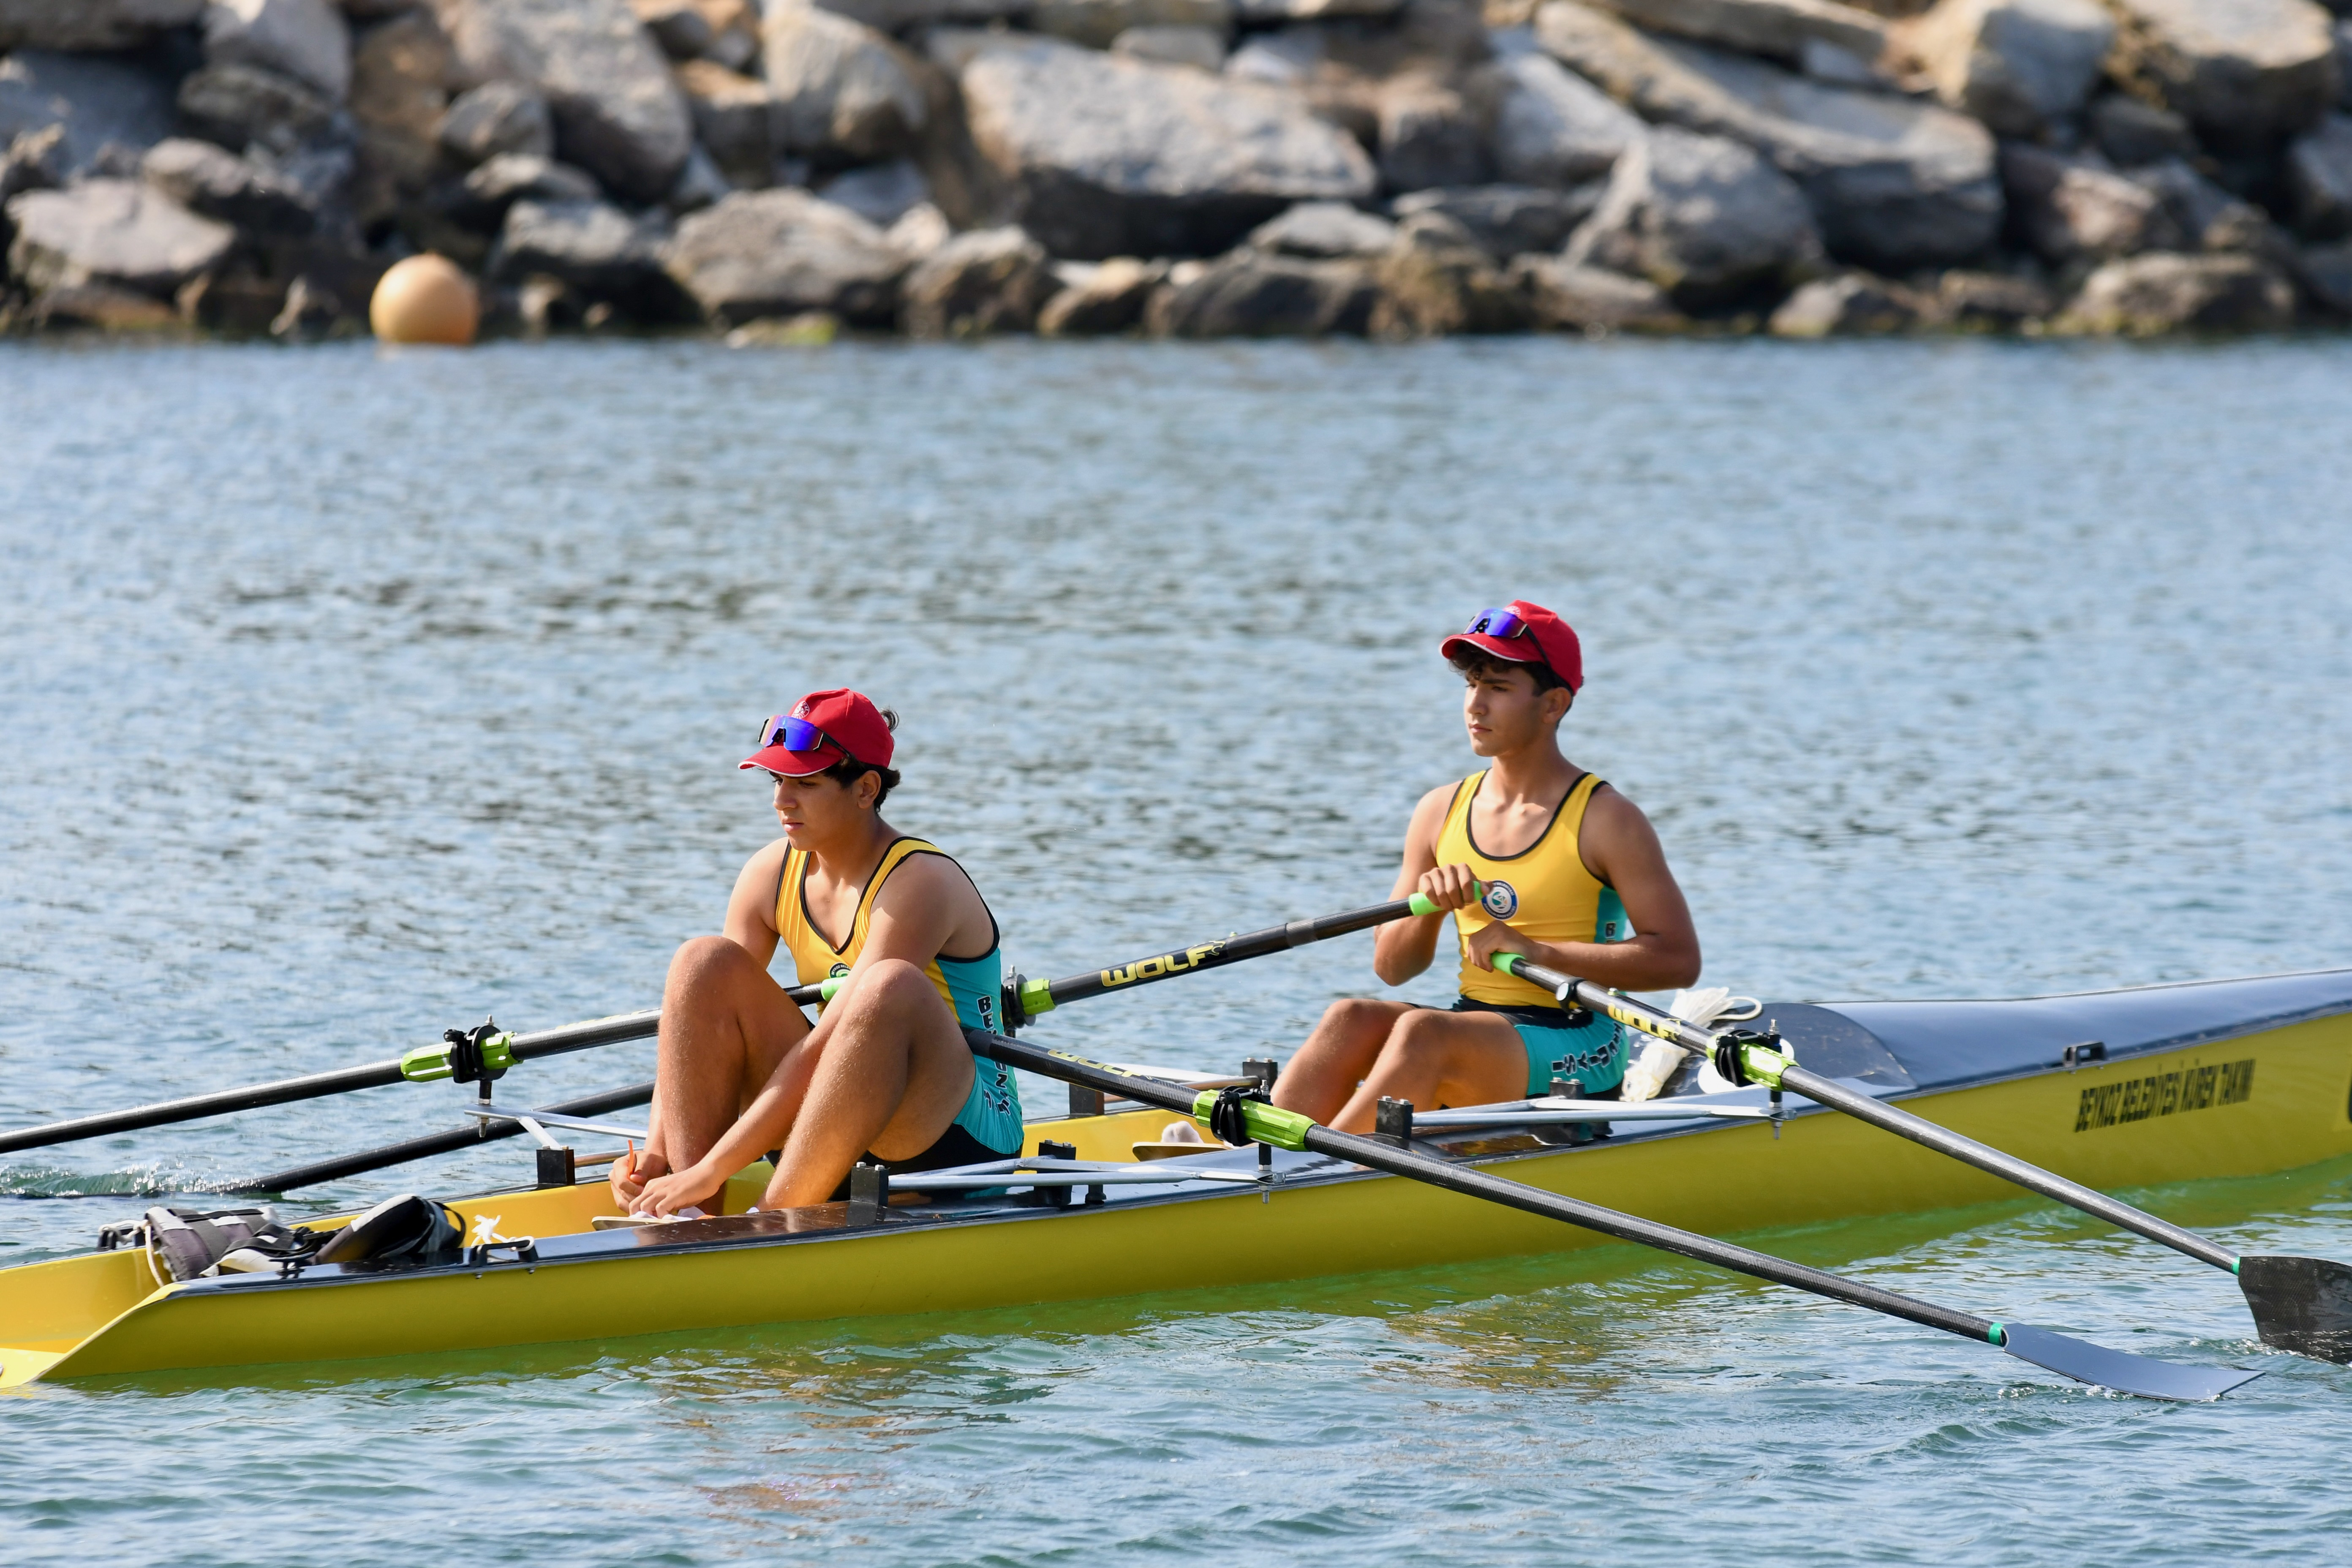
1434	1058
726	1028
894	1072
1321	1077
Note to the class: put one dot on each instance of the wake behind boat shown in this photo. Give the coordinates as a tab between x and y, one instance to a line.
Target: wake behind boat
2113	1089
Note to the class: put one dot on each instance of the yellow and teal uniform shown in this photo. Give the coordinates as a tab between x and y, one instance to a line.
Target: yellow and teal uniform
971	988
1545	893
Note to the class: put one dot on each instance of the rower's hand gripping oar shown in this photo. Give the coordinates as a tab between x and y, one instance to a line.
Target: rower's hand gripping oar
2300	1304
1234	1112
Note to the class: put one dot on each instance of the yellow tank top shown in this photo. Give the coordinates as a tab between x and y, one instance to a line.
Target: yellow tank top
969	992
1544	891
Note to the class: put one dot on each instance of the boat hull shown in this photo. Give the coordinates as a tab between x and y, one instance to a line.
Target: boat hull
2265	1101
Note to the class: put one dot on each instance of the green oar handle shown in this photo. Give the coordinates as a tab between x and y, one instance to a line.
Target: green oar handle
1291	1130
1036	997
1760	1062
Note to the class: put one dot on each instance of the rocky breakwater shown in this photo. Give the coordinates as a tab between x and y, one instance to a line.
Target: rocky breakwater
786	171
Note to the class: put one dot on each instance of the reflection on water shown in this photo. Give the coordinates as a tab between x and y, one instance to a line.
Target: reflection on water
350	696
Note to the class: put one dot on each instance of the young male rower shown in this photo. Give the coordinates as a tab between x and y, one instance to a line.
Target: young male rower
885	1070
1573	879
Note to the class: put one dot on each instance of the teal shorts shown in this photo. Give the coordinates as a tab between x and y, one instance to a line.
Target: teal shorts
1595	1054
991	1112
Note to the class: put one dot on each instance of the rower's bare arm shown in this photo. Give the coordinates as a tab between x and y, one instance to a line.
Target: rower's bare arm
1402	949
926	908
751	907
1620	847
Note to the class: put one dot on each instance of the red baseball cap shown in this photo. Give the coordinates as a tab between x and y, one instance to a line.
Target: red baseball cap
823	729
1524	634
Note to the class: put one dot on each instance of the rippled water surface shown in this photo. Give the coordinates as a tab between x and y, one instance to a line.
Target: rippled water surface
349	695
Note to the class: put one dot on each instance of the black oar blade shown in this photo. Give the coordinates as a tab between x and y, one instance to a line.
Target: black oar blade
2300	1304
2125	1374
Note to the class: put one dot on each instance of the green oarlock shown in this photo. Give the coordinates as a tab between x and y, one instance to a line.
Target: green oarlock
830	986
426	1063
1036	997
1765	1065
1266	1123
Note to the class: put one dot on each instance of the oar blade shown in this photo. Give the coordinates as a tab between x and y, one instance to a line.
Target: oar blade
2300	1304
2121	1371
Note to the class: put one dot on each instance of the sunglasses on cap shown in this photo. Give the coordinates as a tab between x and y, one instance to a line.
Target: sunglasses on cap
1496	622
797	735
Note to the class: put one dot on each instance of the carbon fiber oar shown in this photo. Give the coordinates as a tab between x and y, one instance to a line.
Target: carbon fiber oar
485	1052
2300	1304
2083	1361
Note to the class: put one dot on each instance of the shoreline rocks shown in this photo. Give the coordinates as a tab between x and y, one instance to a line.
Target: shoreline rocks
1383	169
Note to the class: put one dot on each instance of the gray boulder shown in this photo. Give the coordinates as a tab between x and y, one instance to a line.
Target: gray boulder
2069	207
306	40
1102	155
2144	296
2130	132
617	113
242	106
92	101
2246	73
1776	29
2325	273
1894	184
1251	295
113	234
1438	283
500	182
402	72
1202	49
1098	24
1705	218
497	117
90	24
2206	215
1564	297
1505	221
734	118
1853	305
784	253
843	91
881	194
1104	298
2319	173
215	184
1551	127
679	26
1429	136
33	160
2019	66
989	280
921	229
595	248
1324	229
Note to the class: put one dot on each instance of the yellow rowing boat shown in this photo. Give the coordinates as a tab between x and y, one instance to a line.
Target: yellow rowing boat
2115	1089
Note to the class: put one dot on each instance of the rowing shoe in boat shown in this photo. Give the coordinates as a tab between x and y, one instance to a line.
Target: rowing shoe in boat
2112	1089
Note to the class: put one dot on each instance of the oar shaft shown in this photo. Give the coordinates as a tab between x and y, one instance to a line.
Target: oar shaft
1039	996
2033	1178
401	1153
1381	1157
320	1086
1879	1114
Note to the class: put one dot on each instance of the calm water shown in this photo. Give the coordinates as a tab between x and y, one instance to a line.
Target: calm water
348	695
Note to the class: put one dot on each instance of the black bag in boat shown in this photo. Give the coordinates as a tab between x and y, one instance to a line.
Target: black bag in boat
192	1244
406	1229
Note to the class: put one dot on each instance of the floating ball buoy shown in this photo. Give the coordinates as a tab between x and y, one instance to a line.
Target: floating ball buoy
425	300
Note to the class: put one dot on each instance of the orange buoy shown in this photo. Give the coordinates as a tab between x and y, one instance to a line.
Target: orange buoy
425	300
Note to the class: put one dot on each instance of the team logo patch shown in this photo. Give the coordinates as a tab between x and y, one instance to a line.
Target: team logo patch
836	971
1502	900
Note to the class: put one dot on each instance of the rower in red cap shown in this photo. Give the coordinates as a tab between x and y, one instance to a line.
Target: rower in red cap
1573	878
885	1071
